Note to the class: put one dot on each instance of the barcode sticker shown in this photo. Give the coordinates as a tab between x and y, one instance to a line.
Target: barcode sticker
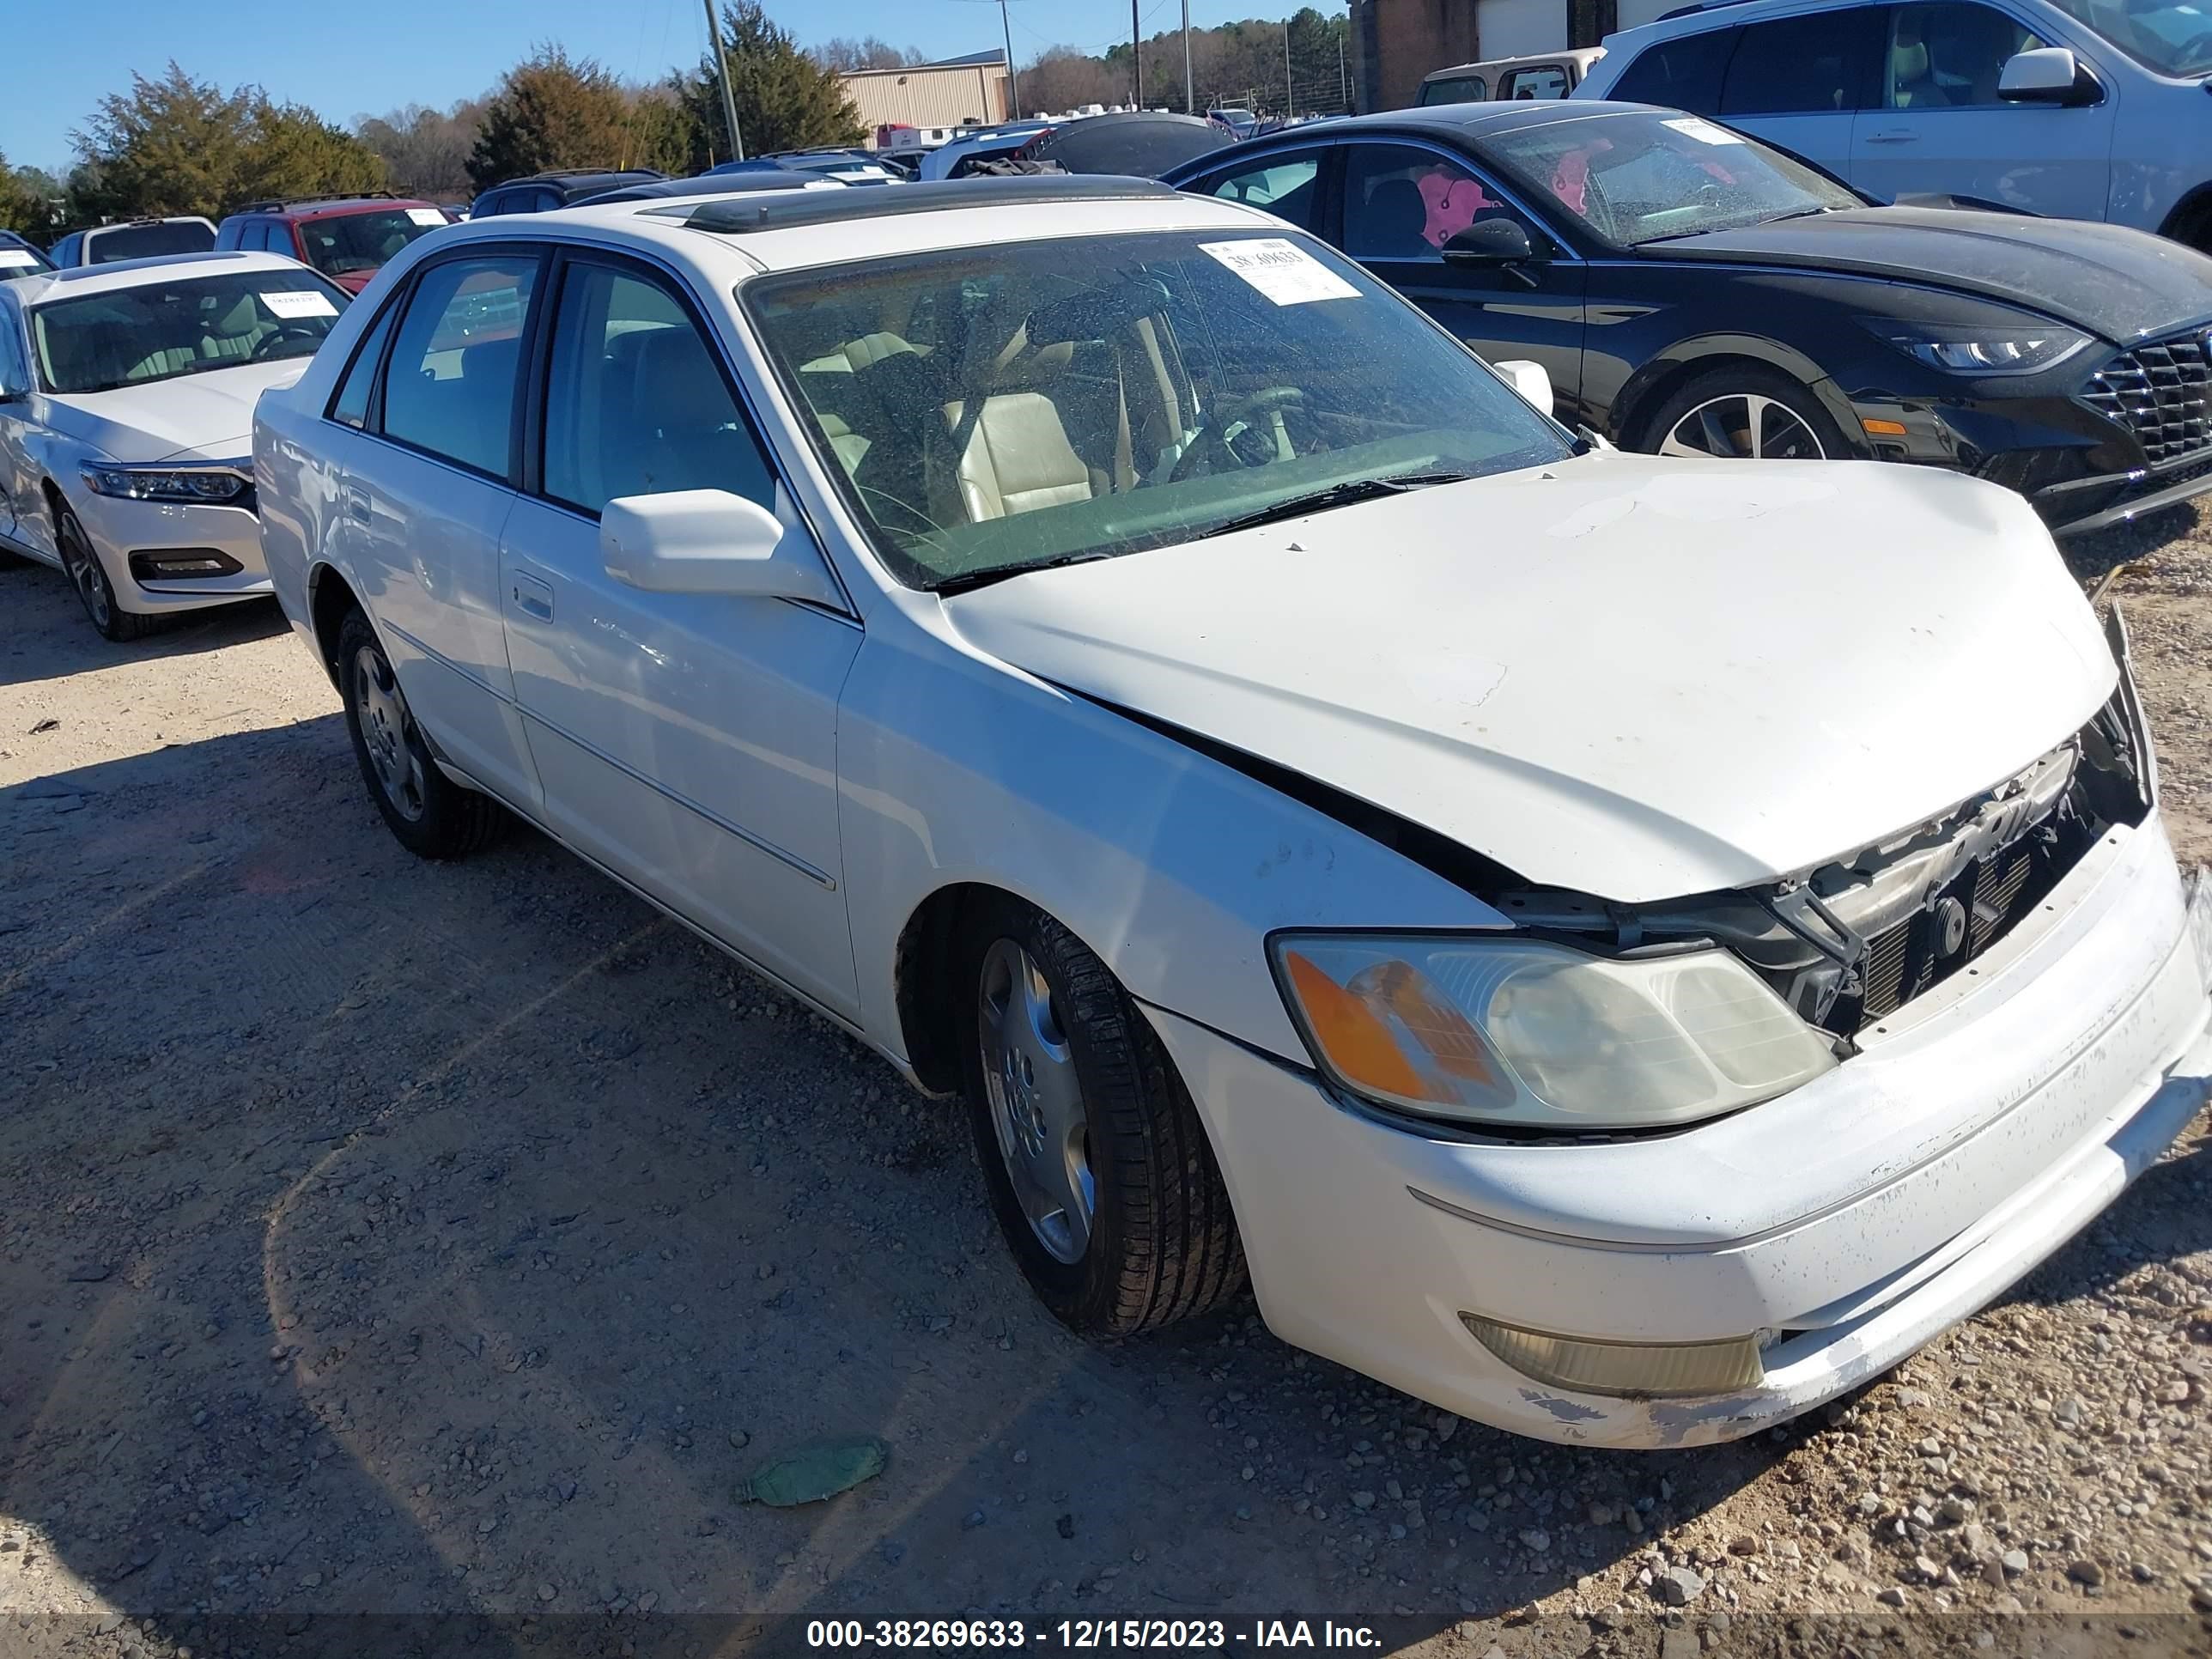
1281	269
1704	132
300	302
425	216
12	257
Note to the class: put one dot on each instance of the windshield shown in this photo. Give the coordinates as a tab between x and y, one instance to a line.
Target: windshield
148	241
1650	177
2174	36
351	242
991	410
160	330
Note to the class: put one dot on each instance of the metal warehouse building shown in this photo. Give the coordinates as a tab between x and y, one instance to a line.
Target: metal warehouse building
960	92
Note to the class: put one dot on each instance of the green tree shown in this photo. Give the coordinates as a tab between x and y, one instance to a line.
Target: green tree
551	111
27	198
177	145
785	101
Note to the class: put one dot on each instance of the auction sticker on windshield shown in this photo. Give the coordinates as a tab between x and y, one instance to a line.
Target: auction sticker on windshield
1282	270
11	256
1704	132
301	302
425	216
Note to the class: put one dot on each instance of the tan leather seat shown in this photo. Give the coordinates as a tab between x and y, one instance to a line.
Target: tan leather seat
1018	457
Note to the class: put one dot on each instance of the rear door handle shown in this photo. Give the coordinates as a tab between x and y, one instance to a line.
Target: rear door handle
356	505
1894	136
532	597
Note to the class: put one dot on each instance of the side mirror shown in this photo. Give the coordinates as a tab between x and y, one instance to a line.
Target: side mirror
2046	75
709	542
1530	380
1491	243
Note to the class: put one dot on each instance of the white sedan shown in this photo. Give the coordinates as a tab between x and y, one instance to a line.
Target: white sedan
1624	950
126	408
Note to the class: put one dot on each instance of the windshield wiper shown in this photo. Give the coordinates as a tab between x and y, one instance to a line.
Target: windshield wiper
965	580
1336	494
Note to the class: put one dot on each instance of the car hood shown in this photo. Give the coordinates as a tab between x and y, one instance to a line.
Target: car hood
1638	679
204	416
2123	285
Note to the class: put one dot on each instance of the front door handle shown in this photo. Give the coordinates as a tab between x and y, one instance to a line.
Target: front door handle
356	506
1894	136
532	597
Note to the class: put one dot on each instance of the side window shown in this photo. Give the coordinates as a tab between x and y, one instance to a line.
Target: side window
1949	55
1815	65
1401	202
1287	186
1460	89
635	404
349	407
1539	81
14	372
449	389
257	235
1682	74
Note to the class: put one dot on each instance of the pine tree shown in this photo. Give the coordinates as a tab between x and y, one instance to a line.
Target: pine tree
551	112
785	101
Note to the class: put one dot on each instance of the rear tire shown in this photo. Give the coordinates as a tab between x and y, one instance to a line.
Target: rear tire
1744	412
1075	1104
433	816
94	589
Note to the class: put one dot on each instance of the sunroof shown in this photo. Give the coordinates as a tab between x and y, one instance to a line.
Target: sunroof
827	207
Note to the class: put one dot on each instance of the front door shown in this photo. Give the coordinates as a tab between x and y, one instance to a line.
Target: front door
1402	201
687	741
1936	123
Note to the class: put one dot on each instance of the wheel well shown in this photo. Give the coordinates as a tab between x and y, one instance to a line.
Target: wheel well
928	1000
1628	424
328	598
2190	222
55	500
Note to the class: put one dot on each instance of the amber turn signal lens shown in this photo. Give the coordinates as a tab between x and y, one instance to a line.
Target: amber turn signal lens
1357	1043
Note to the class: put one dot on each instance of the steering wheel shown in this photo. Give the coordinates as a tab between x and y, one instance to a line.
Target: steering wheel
1217	441
305	333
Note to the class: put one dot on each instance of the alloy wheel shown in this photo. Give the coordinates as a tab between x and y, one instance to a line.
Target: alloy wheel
1746	426
1036	1101
386	728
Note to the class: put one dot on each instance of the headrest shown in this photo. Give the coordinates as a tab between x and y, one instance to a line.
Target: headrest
678	382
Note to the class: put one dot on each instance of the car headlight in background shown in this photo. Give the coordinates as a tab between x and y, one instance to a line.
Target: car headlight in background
1515	1031
200	486
2027	347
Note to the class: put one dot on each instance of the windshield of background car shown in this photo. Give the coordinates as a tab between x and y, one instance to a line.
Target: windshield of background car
19	258
352	242
148	241
991	409
2174	36
160	330
1650	177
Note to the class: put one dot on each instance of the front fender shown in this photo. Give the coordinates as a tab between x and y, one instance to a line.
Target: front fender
955	768
1638	394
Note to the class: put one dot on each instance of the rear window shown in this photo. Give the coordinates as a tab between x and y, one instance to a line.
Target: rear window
1460	89
346	244
148	241
1679	73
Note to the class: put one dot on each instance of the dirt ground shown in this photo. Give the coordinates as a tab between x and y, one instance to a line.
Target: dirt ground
377	1236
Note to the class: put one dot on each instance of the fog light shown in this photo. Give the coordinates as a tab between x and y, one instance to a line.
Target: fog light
182	564
1654	1369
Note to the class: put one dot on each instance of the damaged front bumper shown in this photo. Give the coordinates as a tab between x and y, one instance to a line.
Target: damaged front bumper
1838	1227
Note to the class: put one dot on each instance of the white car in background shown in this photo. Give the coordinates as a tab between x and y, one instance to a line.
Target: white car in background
1113	656
126	412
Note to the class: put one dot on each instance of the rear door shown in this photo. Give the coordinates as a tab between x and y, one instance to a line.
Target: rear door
426	494
1400	201
1800	82
687	741
1936	123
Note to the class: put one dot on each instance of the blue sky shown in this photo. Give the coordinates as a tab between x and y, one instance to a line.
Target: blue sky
371	56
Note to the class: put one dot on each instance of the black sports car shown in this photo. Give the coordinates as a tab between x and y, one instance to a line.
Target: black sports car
1690	290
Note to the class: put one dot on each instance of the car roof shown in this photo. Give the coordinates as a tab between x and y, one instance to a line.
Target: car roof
324	206
140	224
1473	122
1584	55
767	180
794	230
1697	19
79	280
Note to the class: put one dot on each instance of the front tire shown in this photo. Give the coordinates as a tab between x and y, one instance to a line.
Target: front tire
94	590
1744	413
1099	1172
433	816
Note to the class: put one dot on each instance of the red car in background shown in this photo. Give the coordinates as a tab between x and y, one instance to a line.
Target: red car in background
347	239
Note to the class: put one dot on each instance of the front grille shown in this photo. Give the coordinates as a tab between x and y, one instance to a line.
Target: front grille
1904	960
2158	392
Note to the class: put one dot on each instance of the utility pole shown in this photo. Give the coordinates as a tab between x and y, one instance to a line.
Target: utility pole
1013	81
1136	58
1343	83
1290	99
1189	102
729	100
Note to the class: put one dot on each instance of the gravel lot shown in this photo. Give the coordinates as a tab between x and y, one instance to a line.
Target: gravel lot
379	1236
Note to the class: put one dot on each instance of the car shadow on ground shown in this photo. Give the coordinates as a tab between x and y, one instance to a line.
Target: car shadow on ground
32	593
2095	557
380	1237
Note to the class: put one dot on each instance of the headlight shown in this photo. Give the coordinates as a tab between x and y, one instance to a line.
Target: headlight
1515	1031
205	486
2023	347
